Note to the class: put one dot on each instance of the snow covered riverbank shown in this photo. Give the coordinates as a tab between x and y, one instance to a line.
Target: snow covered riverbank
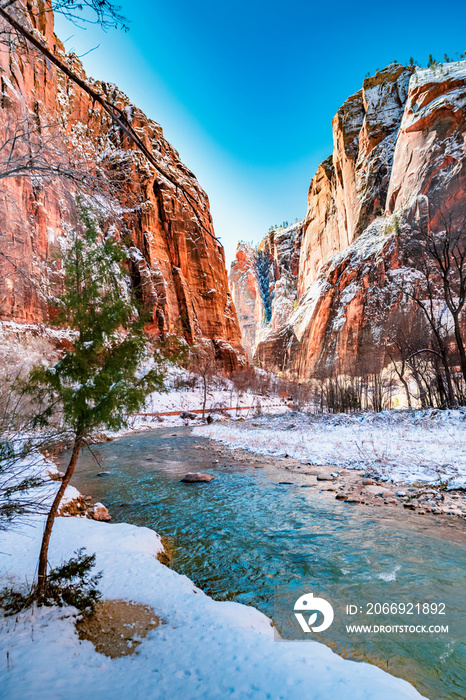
206	649
400	446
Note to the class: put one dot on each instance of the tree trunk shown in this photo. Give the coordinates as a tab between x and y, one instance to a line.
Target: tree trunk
406	388
422	391
450	398
205	397
460	344
451	393
42	573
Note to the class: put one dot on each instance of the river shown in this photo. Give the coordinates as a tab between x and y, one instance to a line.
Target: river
240	536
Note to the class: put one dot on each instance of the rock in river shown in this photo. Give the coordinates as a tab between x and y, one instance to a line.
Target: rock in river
194	477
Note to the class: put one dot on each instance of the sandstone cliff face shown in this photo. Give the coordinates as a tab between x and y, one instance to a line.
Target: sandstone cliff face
176	262
398	165
349	189
429	162
263	283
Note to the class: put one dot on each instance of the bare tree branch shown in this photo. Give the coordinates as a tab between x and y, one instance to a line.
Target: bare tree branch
28	149
116	114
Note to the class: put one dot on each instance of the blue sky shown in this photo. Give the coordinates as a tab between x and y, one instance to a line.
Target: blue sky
246	91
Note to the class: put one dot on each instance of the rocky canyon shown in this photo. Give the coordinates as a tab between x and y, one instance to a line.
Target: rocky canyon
327	291
83	159
323	292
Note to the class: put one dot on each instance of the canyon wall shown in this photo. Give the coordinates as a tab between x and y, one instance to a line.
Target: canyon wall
263	283
176	263
397	168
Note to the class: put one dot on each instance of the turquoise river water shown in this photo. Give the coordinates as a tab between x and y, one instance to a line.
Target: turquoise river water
245	533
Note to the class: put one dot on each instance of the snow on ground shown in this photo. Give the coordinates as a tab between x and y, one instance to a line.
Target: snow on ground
35	466
185	393
206	649
189	400
401	446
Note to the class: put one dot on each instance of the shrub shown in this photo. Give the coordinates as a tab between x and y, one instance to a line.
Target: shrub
68	584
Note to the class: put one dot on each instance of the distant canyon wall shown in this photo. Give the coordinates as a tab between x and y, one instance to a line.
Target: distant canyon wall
177	264
263	283
398	166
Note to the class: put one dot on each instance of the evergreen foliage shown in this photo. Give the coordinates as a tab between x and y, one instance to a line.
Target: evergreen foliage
69	584
98	382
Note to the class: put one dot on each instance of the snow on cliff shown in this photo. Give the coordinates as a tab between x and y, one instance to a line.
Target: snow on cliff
263	283
398	166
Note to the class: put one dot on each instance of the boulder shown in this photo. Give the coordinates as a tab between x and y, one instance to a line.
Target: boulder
196	477
76	506
102	437
411	505
374	490
100	512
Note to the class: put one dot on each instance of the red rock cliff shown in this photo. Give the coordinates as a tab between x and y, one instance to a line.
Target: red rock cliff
176	261
263	283
399	163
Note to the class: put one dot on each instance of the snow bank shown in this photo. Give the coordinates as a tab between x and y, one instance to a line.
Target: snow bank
182	396
160	402
206	649
401	446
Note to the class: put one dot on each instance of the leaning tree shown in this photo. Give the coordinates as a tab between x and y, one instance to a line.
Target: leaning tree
107	374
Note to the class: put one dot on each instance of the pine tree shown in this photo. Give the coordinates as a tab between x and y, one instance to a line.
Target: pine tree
99	382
